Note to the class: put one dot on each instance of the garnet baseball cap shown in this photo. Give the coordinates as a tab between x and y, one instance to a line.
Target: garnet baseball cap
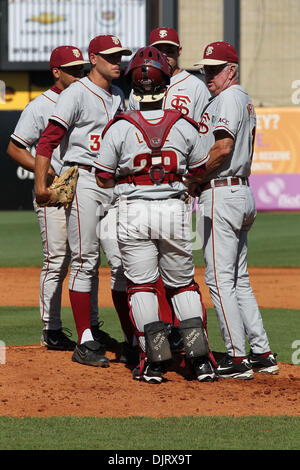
107	44
66	56
164	36
217	53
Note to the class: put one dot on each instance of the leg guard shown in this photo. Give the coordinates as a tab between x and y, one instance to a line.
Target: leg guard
157	344
194	338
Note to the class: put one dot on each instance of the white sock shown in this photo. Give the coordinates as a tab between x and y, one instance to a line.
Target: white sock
86	336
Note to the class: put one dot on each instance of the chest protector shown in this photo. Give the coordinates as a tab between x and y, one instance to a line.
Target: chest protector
155	136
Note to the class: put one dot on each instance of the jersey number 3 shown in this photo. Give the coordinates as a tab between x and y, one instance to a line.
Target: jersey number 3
94	142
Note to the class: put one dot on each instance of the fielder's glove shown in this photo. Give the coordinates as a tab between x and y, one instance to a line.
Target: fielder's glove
62	189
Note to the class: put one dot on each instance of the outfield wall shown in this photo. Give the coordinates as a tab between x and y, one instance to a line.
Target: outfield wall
275	175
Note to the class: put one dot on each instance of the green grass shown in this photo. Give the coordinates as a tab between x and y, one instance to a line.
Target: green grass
22	325
274	240
186	433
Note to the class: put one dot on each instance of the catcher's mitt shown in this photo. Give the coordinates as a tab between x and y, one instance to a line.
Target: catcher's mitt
63	189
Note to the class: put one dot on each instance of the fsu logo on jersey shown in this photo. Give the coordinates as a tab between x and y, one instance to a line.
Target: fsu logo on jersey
181	102
203	126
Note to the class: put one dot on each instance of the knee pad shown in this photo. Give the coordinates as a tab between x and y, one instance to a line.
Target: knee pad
177	290
194	338
134	288
156	342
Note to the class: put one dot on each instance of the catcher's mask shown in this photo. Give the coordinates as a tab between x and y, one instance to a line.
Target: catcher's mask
148	72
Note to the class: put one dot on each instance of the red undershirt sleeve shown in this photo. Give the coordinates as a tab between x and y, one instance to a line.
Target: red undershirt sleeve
50	139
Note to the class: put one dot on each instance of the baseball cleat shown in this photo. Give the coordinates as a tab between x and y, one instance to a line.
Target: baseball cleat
227	368
106	341
90	353
58	340
175	338
151	373
204	370
266	364
128	354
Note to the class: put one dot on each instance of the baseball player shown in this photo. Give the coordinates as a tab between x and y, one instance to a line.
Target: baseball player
148	152
76	124
185	92
228	131
66	64
189	95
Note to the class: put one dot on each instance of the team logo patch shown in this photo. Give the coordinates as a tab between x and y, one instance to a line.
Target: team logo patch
163	33
76	53
209	50
115	40
181	102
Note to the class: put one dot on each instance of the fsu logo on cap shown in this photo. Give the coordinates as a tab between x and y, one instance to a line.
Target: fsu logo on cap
163	33
209	50
115	40
76	52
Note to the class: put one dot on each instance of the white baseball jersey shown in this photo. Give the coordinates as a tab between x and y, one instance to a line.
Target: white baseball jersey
186	93
233	112
125	152
33	121
85	109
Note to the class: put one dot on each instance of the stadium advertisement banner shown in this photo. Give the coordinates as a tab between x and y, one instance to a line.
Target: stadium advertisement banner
275	178
36	27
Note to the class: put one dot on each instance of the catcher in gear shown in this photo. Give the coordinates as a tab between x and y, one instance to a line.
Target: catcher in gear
62	189
147	153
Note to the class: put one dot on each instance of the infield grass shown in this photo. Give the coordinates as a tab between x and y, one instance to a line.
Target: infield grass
186	433
22	325
274	240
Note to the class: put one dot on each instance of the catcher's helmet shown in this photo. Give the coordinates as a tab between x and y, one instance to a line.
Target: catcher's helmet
148	72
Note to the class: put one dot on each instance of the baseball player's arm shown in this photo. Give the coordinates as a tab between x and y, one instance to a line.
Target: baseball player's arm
42	165
218	153
21	155
50	139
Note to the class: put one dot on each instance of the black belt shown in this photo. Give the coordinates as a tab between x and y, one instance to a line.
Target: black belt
230	181
82	167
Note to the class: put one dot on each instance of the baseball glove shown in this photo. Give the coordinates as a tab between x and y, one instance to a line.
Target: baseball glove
63	189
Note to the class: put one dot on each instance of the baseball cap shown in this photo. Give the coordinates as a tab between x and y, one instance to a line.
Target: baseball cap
66	56
217	53
164	36
107	44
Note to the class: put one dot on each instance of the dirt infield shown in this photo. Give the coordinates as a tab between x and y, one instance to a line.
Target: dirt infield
37	382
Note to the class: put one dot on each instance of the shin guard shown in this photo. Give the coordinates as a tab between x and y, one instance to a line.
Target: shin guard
194	338
157	344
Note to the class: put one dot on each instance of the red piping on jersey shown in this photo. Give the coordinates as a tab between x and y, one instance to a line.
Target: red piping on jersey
79	244
171	86
215	269
45	96
47	267
20	138
98	96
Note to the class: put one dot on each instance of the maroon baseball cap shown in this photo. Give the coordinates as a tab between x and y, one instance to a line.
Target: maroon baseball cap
217	53
66	56
107	44
164	36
